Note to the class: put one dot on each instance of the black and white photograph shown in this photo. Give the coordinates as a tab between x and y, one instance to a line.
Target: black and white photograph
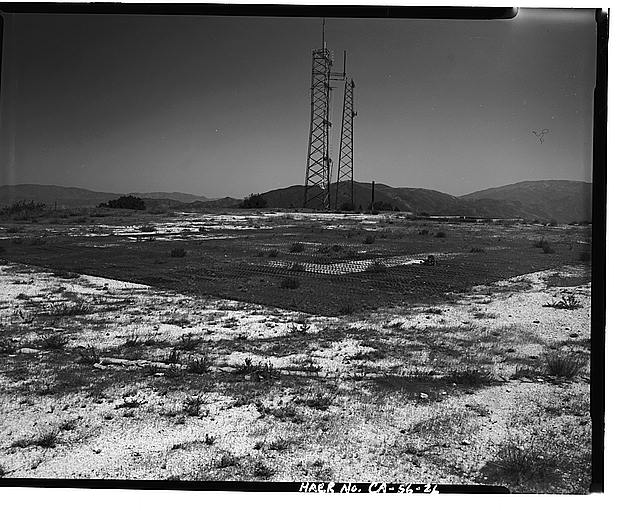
300	245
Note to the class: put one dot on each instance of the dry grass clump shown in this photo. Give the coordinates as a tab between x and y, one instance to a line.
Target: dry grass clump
568	302
198	365
47	439
69	309
192	405
53	342
564	364
543	456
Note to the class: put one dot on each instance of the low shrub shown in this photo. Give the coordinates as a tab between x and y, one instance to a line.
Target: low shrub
297	247
192	406
53	342
198	365
178	252
69	309
369	239
568	302
564	365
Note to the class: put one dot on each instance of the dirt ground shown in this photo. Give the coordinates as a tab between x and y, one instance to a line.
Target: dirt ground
484	379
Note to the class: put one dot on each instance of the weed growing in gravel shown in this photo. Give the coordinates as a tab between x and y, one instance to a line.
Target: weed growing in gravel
262	470
564	365
46	439
470	377
225	461
69	309
568	302
318	400
198	365
280	444
260	371
192	405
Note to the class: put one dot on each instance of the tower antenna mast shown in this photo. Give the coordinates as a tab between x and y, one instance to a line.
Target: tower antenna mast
317	183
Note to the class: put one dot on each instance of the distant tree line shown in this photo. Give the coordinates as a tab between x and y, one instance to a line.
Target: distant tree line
23	207
125	202
255	200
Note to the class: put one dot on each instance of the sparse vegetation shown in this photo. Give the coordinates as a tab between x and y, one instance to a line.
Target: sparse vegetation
369	239
253	201
260	371
198	365
192	405
470	377
568	302
441	234
47	439
125	202
564	364
262	470
477	250
319	400
53	342
69	309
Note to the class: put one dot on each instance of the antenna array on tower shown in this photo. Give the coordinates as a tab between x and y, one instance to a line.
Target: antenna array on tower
319	168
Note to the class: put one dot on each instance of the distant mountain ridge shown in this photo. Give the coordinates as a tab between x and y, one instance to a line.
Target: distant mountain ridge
176	196
561	201
73	197
550	200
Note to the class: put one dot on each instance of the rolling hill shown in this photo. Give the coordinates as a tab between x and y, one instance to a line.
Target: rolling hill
559	200
72	197
562	201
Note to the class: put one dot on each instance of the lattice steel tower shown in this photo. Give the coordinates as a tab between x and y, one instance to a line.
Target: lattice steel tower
344	180
318	174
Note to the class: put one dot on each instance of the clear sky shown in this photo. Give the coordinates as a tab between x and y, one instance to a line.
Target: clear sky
219	106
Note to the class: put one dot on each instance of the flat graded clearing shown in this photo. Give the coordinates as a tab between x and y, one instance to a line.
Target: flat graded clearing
122	359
